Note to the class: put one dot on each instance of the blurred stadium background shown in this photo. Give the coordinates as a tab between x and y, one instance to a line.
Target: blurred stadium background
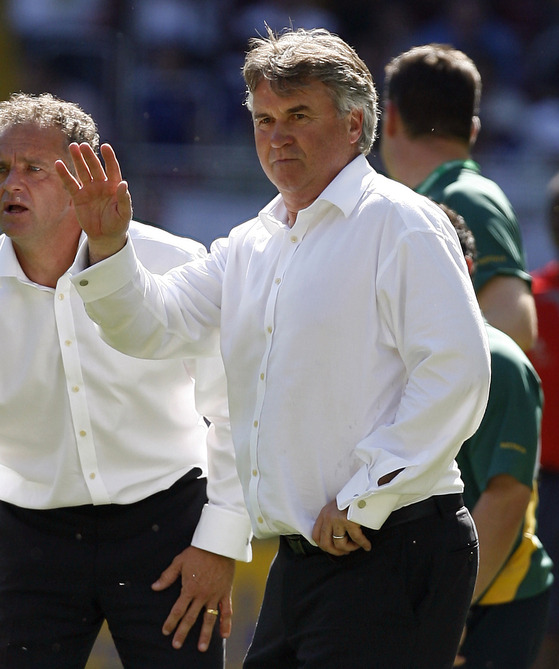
162	78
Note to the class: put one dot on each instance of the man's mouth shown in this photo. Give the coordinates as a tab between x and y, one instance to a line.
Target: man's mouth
14	208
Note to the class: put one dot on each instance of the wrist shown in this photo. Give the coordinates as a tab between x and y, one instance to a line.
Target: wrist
99	250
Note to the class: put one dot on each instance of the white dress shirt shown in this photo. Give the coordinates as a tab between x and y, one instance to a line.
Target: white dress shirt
353	345
81	423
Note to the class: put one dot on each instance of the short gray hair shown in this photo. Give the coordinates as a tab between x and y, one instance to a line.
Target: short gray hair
294	58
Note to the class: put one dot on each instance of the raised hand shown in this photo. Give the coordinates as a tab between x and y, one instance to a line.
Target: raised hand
101	198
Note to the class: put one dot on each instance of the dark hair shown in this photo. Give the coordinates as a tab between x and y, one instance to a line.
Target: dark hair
465	235
437	91
293	58
47	111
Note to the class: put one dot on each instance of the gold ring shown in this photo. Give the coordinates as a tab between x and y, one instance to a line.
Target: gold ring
335	536
214	612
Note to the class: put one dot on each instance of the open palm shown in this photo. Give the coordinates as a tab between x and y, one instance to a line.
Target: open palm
101	198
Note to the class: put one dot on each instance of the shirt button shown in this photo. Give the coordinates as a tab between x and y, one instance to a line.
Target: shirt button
294	239
361	503
269	328
255	423
60	296
278	281
68	343
260	519
84	282
83	433
255	472
262	376
92	475
75	389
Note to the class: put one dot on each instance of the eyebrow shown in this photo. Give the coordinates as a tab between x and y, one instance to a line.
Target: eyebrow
291	110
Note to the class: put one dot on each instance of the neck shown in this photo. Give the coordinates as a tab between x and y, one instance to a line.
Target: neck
420	157
45	265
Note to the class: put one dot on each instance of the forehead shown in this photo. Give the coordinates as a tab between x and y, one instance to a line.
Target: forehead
312	95
26	140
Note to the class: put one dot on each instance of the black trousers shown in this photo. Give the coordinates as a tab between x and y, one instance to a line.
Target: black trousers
400	606
63	571
506	636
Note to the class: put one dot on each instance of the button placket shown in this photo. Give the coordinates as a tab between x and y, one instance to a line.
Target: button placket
77	396
289	246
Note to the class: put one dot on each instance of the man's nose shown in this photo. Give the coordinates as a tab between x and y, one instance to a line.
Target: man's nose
280	135
10	180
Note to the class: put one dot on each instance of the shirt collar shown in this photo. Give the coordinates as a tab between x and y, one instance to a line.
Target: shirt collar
443	169
9	264
342	192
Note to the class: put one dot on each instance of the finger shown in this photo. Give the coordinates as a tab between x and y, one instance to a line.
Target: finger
167	577
183	608
322	535
225	617
69	182
317	531
80	166
187	621
356	535
211	615
112	166
94	165
180	619
124	201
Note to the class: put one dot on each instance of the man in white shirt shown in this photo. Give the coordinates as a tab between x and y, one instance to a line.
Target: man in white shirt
356	358
103	457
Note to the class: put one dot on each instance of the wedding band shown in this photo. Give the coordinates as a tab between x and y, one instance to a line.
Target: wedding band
214	612
335	536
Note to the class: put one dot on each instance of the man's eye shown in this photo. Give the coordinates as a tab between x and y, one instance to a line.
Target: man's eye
34	168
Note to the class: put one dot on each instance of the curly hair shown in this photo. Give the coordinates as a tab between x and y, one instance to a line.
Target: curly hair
47	111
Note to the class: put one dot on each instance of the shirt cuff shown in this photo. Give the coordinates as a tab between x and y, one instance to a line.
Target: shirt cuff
107	276
224	532
363	506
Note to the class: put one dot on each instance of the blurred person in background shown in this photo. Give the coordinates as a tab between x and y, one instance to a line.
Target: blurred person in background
545	357
430	125
349	394
105	513
499	466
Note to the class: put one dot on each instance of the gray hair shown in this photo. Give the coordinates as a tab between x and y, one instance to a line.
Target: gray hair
294	58
47	111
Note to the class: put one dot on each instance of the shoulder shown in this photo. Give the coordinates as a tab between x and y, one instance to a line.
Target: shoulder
397	201
508	361
473	192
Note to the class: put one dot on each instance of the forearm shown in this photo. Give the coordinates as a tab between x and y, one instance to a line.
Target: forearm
498	516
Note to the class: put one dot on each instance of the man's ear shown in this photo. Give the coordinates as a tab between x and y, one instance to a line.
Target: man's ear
356	125
390	118
474	130
470	264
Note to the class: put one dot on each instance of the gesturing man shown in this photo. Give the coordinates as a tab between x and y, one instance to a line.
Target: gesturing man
104	458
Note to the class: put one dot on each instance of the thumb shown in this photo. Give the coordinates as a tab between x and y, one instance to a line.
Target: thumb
167	577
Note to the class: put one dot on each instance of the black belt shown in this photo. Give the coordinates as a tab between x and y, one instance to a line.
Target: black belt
428	507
